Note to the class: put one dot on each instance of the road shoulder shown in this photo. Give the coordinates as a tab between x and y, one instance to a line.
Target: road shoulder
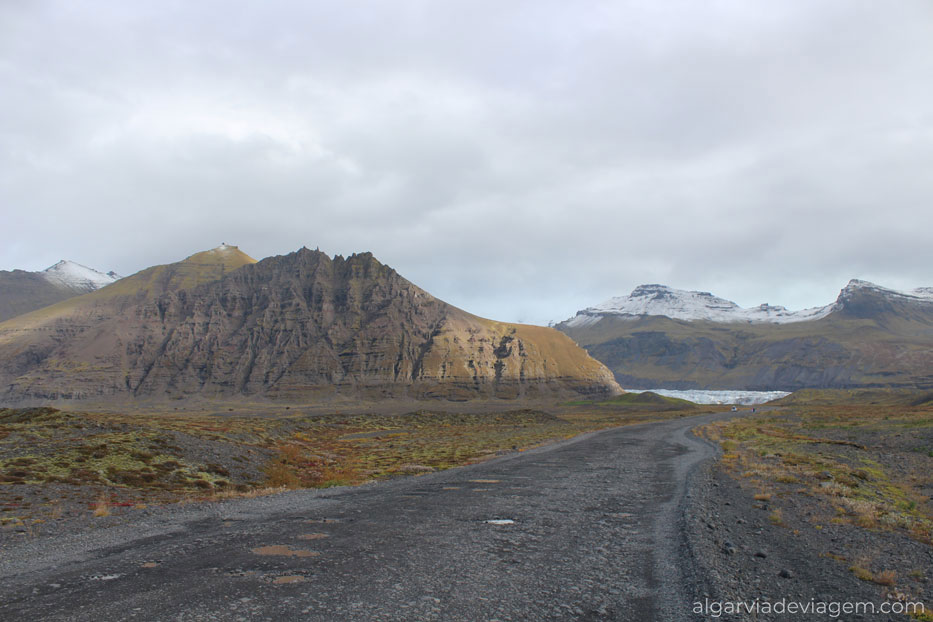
741	554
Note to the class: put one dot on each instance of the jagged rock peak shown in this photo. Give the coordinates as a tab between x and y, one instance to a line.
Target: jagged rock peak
296	326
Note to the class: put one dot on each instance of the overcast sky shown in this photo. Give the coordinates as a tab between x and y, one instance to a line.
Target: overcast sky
521	160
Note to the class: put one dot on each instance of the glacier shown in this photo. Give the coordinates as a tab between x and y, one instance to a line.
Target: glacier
698	396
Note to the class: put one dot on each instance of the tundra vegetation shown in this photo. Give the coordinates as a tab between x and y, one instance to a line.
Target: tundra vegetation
56	464
858	463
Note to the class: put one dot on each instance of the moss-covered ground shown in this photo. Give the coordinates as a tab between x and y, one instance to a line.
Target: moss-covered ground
858	464
143	457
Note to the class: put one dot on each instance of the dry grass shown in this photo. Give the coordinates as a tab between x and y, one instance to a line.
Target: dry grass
156	456
862	574
866	460
250	493
102	506
280	475
863	465
886	577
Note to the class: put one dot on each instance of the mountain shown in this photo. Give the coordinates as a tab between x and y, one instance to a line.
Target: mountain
660	337
22	291
660	300
203	267
77	277
297	327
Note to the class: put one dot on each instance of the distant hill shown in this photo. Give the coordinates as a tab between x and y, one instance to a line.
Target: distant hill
297	327
22	291
203	267
660	337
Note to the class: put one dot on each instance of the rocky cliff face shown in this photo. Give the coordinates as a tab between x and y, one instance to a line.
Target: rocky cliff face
870	336
294	327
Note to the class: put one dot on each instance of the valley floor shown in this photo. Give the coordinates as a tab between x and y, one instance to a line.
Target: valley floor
589	528
629	523
62	471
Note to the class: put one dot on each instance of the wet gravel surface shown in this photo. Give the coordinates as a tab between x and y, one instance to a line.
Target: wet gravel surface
596	533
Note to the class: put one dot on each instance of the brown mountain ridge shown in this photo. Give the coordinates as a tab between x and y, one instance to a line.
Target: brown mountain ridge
302	326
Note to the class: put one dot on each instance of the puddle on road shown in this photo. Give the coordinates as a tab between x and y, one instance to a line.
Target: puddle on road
150	564
499	521
312	536
292	578
284	550
451	488
485	481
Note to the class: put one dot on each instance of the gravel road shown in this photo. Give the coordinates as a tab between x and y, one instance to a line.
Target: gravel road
586	529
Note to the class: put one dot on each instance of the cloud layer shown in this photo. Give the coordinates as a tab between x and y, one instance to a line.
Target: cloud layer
521	160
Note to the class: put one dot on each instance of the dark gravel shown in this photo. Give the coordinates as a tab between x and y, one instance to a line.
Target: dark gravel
626	524
742	555
597	535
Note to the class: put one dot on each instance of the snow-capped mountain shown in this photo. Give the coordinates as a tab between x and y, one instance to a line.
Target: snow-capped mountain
680	304
919	294
22	291
75	276
660	337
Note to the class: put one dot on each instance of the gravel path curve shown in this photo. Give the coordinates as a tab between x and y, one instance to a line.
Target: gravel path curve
586	529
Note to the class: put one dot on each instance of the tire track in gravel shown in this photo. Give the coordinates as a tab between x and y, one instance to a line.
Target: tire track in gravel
586	529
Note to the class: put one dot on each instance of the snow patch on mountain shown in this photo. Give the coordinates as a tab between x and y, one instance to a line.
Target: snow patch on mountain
920	293
680	304
75	276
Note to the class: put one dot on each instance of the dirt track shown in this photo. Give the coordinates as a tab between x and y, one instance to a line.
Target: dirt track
597	534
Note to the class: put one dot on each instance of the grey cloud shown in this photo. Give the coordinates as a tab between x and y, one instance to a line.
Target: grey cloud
521	160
